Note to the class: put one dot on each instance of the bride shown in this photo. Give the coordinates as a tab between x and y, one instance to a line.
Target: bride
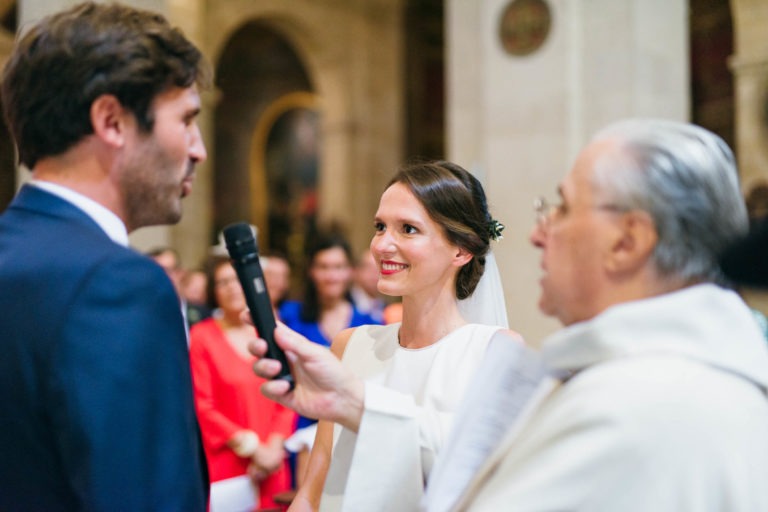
388	407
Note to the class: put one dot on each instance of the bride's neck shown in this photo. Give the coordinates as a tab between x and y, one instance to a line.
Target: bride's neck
425	323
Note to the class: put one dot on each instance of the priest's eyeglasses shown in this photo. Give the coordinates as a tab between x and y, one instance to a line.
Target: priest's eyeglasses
546	211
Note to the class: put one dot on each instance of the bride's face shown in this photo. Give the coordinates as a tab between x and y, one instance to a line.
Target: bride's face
411	250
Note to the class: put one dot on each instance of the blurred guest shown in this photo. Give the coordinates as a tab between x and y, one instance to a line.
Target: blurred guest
194	285
243	432
327	307
393	313
364	291
746	260
277	277
168	259
757	210
194	290
757	202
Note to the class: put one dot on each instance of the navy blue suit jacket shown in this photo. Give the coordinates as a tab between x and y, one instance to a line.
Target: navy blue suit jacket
96	407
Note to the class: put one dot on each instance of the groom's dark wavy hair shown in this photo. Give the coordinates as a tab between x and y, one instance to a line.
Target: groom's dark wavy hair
67	60
454	199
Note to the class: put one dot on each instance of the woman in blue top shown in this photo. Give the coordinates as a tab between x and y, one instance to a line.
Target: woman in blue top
327	308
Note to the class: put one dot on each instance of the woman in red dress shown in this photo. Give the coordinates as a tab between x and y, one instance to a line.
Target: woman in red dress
243	432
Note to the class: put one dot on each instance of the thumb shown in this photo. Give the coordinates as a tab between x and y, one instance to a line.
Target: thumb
291	341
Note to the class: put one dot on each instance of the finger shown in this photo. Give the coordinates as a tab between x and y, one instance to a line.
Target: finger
257	347
299	351
266	368
276	390
290	340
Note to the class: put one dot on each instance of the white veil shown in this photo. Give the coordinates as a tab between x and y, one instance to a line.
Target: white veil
486	305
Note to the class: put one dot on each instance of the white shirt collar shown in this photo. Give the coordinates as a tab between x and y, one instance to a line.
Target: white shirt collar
106	219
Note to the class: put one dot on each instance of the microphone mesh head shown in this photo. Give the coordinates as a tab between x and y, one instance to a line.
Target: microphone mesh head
240	239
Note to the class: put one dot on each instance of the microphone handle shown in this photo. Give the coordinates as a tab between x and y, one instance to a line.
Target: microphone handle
251	278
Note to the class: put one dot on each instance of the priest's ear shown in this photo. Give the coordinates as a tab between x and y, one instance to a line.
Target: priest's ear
634	242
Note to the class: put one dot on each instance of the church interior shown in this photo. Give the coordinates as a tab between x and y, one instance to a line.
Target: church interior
316	103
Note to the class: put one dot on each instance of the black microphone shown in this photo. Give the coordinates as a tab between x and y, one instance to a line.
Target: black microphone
241	245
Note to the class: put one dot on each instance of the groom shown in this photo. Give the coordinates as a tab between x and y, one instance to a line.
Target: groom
95	384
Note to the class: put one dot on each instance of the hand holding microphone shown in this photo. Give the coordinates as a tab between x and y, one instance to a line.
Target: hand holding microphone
325	388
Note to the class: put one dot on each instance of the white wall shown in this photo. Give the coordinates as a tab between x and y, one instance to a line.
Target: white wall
518	122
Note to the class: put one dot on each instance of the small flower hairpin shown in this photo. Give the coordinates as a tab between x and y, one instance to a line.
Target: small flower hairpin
494	229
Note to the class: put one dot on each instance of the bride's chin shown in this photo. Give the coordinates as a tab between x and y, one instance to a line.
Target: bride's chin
391	291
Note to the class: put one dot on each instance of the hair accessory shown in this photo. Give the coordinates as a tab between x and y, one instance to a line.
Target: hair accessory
494	230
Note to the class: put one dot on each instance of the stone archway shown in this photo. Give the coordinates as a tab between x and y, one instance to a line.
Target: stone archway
256	67
352	53
283	171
